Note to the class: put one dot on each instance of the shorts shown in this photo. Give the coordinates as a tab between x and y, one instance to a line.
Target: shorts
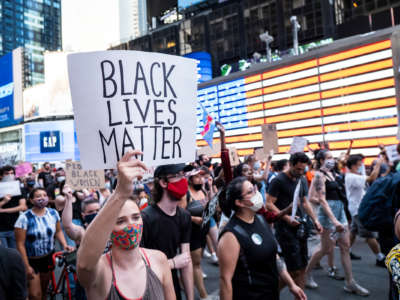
198	237
43	264
212	222
337	208
293	250
358	229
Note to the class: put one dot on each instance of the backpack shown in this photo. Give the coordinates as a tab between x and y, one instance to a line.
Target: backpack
380	203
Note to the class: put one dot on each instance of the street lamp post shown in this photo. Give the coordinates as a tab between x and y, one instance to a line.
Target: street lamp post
295	28
267	39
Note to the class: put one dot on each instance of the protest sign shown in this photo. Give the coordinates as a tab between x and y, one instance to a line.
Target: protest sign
125	100
392	153
270	138
207	150
79	179
259	154
298	144
233	156
12	188
23	169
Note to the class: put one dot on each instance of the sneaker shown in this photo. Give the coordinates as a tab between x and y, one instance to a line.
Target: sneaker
334	273
204	275
380	263
310	283
354	256
206	254
214	258
355	288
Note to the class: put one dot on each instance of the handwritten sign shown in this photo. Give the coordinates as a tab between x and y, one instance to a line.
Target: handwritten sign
233	156
298	144
79	179
23	169
207	150
270	138
260	154
12	188
125	100
392	153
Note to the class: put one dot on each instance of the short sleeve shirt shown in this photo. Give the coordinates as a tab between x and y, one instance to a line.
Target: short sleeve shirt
40	231
163	232
355	190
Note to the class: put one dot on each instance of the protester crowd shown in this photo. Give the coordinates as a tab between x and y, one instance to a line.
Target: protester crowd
145	238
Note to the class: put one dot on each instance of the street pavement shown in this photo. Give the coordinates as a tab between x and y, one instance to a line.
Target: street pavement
365	273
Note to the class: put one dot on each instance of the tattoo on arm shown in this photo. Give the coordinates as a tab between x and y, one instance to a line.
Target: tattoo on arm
318	182
280	264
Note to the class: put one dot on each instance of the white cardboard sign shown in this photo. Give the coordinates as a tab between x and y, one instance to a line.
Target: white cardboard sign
125	100
392	153
298	144
12	188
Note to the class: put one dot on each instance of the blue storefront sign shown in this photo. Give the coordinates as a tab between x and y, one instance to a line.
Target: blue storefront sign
204	67
6	91
50	141
57	144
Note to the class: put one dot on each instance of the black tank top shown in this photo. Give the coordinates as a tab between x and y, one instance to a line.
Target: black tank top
256	275
331	188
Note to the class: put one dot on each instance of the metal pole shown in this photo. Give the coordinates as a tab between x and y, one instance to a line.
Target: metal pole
295	30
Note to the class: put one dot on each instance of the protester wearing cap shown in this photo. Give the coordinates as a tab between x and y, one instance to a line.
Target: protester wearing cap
127	271
167	227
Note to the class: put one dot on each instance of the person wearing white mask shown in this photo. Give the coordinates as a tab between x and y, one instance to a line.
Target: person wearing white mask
247	250
325	190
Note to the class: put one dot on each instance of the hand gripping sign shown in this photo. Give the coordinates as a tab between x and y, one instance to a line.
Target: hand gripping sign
125	100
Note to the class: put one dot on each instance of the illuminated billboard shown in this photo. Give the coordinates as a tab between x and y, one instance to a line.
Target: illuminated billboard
53	98
11	88
337	97
183	4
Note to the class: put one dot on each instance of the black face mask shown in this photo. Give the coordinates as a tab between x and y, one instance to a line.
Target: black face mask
207	164
89	218
197	187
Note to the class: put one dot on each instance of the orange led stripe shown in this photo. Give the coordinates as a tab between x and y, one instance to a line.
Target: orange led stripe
252	79
255	107
290	85
360	106
290	69
355	52
292	100
253	93
357	70
244	152
255	122
358	88
364	143
300	131
361	125
294	116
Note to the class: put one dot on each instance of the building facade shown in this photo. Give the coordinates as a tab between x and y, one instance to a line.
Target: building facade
34	25
229	30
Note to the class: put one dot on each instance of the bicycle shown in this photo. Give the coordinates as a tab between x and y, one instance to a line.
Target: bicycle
66	261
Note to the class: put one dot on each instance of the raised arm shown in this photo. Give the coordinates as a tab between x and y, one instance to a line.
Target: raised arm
226	163
98	232
375	171
75	232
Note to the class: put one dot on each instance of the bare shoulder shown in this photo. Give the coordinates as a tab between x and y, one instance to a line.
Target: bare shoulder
155	255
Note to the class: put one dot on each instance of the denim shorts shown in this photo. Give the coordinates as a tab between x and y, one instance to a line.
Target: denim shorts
337	208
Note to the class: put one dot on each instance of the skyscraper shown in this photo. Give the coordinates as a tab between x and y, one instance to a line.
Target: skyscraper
34	25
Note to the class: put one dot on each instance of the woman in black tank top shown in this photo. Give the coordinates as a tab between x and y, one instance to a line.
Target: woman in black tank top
325	190
247	250
127	271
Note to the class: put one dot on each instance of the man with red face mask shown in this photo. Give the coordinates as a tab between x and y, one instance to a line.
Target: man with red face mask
167	227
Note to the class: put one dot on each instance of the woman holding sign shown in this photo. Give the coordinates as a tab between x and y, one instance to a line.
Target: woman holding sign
127	271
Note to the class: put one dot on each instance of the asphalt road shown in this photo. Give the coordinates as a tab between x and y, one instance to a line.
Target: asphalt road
374	278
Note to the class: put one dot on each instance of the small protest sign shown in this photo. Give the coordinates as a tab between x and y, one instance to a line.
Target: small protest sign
392	153
270	138
260	154
23	169
125	100
207	150
12	188
298	144
79	179
233	156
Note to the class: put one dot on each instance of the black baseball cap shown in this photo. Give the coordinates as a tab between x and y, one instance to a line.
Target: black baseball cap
168	170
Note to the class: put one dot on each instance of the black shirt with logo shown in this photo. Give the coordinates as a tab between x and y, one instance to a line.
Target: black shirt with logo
256	275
